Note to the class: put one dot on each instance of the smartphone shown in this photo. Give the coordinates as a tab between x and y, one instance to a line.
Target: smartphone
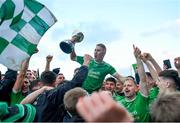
167	63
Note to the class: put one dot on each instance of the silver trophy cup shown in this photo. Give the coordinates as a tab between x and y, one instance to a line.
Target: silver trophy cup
67	46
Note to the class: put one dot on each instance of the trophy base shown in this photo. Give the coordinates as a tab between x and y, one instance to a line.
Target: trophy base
66	47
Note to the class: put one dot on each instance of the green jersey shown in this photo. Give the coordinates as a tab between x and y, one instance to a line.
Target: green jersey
97	73
16	98
153	94
118	97
138	107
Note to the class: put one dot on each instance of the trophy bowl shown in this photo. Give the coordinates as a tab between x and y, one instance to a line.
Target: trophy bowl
67	46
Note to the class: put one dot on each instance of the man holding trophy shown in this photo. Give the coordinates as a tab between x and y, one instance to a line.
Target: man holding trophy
98	69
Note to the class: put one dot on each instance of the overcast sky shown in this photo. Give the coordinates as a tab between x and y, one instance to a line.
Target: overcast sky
153	25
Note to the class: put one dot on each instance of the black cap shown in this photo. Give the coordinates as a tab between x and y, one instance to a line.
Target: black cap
56	70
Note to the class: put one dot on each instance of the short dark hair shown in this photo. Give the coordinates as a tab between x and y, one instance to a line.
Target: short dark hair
131	77
102	45
172	74
48	77
34	83
166	108
56	70
60	74
112	79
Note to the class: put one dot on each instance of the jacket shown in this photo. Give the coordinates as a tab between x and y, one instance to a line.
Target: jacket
49	105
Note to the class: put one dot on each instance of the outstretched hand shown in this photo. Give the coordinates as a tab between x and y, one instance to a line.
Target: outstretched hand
87	59
137	52
49	58
145	57
100	107
148	56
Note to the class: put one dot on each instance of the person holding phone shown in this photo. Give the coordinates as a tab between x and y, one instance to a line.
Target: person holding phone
166	64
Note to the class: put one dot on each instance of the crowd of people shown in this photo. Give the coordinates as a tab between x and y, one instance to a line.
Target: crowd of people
90	96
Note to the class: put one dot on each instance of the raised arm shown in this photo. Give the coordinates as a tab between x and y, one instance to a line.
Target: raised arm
153	61
143	84
32	97
119	77
80	75
48	61
153	72
73	55
20	78
76	81
177	64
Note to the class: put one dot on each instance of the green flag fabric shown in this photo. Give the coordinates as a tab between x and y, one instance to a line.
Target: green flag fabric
22	24
134	67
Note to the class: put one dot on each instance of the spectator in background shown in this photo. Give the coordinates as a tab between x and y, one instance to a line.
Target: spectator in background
130	77
152	87
31	75
151	76
59	79
110	84
6	85
70	100
47	80
177	64
166	108
49	104
98	69
151	82
21	87
168	81
137	102
28	74
100	107
119	94
36	84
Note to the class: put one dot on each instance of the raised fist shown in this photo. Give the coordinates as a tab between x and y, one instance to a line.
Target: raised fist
49	58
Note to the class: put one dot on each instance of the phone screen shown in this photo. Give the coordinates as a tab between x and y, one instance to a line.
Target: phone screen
167	63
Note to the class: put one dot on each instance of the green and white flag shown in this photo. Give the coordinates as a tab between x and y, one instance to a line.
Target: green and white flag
22	24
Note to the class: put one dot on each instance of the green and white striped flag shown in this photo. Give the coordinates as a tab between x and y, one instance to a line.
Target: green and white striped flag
22	24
